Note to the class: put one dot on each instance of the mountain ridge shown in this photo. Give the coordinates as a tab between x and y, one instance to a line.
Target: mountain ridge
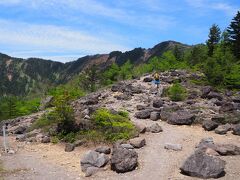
23	76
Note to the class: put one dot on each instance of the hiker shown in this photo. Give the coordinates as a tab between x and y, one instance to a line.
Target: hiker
156	77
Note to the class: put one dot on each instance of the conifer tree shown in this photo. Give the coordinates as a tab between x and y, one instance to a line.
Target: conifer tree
234	35
214	38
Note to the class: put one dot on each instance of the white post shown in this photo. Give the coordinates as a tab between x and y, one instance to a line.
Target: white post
4	139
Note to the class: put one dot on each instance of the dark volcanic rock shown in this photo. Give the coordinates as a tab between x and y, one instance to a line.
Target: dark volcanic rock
20	130
223	129
123	160
157	103
227	106
148	79
154	128
93	159
103	149
69	147
236	129
209	125
203	166
46	139
181	118
138	142
227	149
219	118
205	91
214	95
155	116
145	114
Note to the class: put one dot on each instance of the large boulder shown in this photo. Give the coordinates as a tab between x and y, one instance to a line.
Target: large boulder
205	91
181	117
236	99
223	129
93	159
20	130
227	149
145	114
227	106
157	103
202	165
155	116
214	95
236	129
209	125
220	118
123	160
138	142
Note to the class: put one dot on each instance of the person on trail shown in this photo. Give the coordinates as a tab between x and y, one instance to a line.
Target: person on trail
156	77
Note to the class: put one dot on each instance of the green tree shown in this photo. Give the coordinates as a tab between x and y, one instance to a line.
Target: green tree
177	53
89	78
126	70
111	74
213	38
197	55
234	34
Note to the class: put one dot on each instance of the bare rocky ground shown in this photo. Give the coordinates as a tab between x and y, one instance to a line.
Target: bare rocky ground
49	161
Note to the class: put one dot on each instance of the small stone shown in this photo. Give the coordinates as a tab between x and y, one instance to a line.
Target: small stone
45	139
175	147
69	147
127	146
155	128
141	128
103	149
138	142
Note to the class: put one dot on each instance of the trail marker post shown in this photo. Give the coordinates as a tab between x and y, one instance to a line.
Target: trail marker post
5	137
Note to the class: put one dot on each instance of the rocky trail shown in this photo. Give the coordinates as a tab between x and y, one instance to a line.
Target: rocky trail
165	147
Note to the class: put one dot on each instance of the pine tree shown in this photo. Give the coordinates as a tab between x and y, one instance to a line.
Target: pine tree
214	38
234	34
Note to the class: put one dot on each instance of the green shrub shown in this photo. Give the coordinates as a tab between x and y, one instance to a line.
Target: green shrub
113	126
177	92
54	140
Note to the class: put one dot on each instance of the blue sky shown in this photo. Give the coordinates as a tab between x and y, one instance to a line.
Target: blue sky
64	30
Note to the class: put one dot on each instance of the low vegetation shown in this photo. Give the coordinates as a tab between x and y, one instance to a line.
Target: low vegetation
177	92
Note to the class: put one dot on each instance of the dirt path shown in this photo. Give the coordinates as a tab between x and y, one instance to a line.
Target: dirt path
51	162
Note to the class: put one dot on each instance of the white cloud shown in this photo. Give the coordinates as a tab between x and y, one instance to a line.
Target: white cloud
223	6
48	38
